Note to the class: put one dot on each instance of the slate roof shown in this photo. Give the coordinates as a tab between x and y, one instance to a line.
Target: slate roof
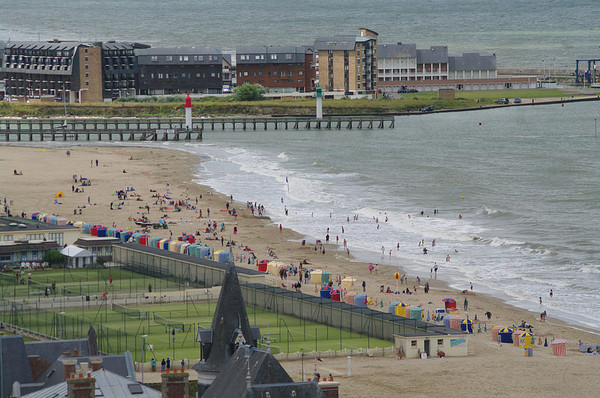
266	375
14	365
398	50
472	61
230	318
108	385
43	45
8	224
285	54
51	350
161	53
433	55
335	43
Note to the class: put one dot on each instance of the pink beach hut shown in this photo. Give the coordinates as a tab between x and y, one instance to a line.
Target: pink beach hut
350	297
456	322
559	347
495	331
335	295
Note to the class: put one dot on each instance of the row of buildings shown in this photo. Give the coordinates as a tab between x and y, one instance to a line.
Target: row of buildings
357	64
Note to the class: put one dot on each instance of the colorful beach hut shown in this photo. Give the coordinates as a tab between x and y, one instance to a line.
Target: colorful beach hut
348	283
392	307
154	241
400	309
315	276
111	232
325	292
449	304
165	244
336	295
125	235
467	325
183	247
506	335
350	297
326	277
174	246
360	300
223	256
456	322
144	240
526	339
495	330
446	320
416	313
273	267
559	347
101	232
86	228
94	230
262	265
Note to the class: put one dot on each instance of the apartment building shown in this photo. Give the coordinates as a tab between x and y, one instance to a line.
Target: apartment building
278	68
472	66
69	71
179	70
348	63
119	69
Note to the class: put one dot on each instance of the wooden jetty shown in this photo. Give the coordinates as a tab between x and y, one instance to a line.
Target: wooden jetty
168	129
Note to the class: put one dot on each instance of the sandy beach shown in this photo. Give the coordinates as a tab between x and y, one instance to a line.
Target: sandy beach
493	369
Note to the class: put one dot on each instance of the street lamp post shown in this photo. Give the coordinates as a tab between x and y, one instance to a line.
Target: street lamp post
60	325
143	354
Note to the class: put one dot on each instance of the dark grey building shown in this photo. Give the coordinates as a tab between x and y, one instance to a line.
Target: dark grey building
180	70
119	69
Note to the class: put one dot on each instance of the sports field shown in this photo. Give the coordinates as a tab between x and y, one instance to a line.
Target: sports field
78	282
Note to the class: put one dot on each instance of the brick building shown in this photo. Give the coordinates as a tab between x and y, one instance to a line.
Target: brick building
278	68
179	70
348	63
119	69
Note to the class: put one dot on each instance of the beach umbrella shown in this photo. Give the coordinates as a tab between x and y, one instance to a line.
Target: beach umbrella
59	195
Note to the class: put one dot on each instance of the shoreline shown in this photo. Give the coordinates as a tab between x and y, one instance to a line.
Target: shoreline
287	241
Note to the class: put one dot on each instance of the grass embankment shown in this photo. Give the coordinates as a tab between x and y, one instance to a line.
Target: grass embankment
212	106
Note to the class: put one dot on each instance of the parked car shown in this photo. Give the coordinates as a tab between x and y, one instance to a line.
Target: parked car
502	101
517	100
428	108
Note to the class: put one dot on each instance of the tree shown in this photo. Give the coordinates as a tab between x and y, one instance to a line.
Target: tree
249	92
54	257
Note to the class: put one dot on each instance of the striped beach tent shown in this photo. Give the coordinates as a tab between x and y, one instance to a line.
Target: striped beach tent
559	347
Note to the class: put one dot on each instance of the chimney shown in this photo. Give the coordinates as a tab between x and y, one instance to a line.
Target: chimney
70	364
175	385
96	363
84	387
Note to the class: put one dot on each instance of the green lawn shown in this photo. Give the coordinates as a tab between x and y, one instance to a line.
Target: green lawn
78	282
117	332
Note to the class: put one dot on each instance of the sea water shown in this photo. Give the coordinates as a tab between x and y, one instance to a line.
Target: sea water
544	34
516	192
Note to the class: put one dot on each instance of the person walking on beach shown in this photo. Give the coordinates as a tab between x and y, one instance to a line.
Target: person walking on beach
466	304
364	286
551	293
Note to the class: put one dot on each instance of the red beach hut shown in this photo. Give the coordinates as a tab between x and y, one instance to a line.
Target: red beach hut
559	347
449	303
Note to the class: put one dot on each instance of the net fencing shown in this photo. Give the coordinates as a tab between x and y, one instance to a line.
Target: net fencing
168	323
130	312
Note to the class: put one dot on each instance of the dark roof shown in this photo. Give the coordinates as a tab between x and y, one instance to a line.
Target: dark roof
230	319
283	54
94	241
266	375
8	224
51	350
335	43
44	45
397	50
25	246
121	365
161	53
433	55
14	365
112	45
472	61
107	384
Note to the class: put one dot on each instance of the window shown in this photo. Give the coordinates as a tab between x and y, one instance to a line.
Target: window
245	73
273	56
200	57
260	73
160	75
275	73
413	343
283	74
195	58
288	56
86	66
169	58
86	59
87	74
300	73
244	57
87	83
183	74
275	81
290	74
186	58
212	74
5	257
440	342
154	58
